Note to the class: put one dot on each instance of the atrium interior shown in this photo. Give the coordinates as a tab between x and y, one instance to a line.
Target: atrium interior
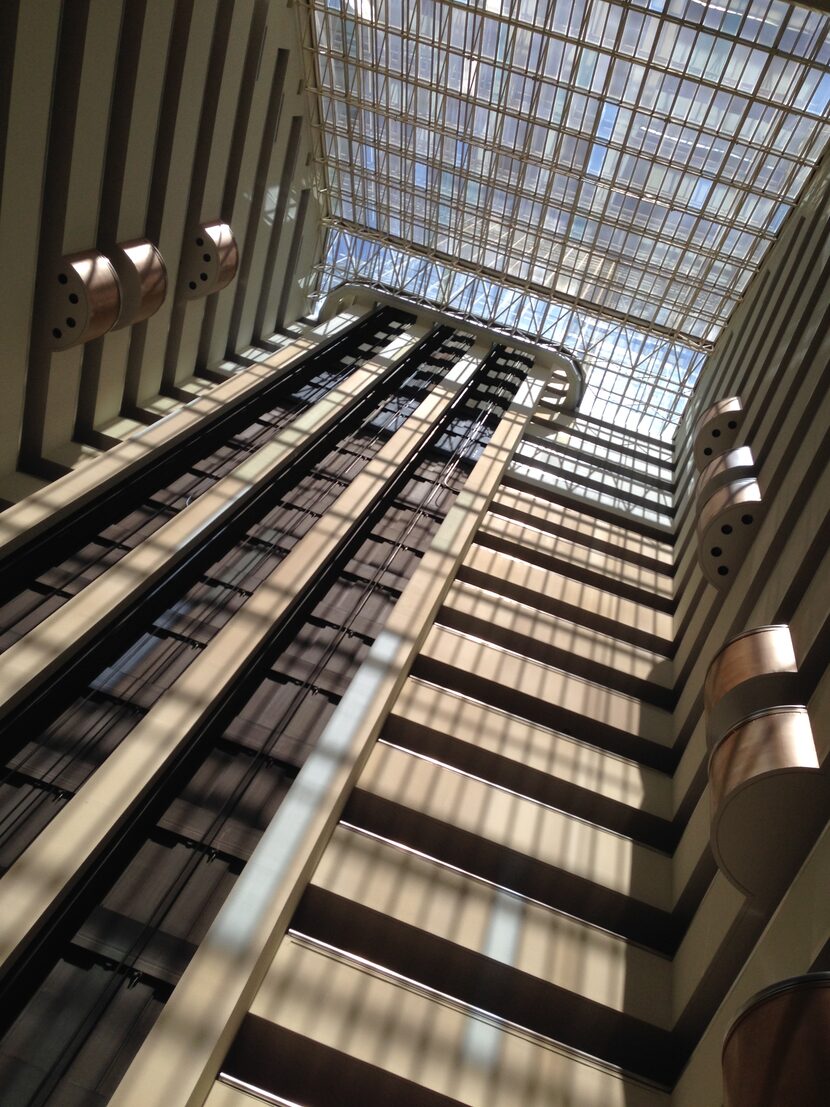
414	529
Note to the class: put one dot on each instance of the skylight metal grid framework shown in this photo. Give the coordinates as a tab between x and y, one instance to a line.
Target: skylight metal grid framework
633	379
632	160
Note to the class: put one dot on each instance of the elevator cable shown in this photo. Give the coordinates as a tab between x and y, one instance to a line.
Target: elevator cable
18	813
125	968
320	383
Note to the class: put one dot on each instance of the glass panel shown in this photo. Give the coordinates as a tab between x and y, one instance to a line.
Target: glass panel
636	379
634	158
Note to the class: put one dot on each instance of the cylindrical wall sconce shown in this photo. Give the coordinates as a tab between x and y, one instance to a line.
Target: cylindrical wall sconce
209	260
717	430
83	299
726	526
143	276
729	501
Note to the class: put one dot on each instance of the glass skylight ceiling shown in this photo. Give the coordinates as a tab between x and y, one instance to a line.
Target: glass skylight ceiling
630	161
633	378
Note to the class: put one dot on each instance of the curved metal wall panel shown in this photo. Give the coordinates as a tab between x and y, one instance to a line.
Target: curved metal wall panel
729	501
768	794
735	464
768	799
776	1052
753	672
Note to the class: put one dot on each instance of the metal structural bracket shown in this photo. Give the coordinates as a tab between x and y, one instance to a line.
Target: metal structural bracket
561	366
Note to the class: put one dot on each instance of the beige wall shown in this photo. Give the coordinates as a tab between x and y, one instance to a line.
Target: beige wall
536	725
173	123
537	814
507	893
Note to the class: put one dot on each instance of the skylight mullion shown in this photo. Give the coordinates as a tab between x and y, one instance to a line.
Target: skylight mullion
525	154
657	159
621	26
617	51
670	181
572	39
719	176
673	274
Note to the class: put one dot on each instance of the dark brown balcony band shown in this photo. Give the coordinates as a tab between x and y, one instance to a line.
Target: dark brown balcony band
776	1052
725	528
143	277
84	300
33	516
735	464
163	732
753	672
180	1058
66	631
209	261
716	431
268	1059
768	799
